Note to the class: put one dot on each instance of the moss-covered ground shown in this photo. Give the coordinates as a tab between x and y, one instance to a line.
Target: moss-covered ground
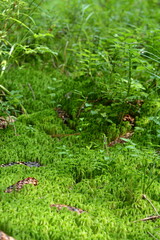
107	183
79	68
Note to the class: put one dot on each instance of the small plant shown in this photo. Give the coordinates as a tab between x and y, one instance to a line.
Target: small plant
10	103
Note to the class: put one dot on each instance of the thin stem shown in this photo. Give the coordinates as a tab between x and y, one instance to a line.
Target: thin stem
152	236
145	197
4	89
129	70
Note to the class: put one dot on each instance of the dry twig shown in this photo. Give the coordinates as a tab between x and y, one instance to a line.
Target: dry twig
148	218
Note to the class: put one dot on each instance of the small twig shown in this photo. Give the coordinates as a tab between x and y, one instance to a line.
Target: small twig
145	197
148	218
152	236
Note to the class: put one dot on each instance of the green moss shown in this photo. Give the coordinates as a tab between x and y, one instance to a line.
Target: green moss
103	68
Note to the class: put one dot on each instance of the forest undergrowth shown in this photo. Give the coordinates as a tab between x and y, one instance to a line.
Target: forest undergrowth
79	97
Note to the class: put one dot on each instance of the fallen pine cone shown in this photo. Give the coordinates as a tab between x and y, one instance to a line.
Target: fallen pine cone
29	164
74	209
17	186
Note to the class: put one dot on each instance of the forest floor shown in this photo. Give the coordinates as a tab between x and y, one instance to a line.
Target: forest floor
80	158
